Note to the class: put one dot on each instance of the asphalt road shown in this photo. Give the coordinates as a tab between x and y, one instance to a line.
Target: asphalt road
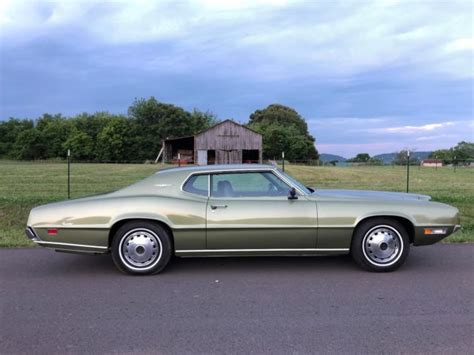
66	303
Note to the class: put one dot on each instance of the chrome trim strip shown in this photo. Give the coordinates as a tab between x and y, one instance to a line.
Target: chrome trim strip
208	186
70	244
62	226
257	250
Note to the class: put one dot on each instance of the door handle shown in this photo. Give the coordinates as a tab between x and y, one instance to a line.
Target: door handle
213	207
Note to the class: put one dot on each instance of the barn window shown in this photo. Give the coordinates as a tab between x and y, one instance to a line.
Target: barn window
211	157
250	156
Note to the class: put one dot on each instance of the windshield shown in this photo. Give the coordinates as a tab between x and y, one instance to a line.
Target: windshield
296	182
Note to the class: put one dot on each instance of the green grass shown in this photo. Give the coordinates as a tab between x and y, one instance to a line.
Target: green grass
24	185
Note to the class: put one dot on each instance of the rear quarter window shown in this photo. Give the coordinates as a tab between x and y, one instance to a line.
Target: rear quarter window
198	185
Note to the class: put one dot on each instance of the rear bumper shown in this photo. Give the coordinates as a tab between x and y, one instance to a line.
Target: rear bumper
61	246
30	233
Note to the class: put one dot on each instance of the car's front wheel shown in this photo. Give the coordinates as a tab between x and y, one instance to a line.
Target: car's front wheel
380	244
141	247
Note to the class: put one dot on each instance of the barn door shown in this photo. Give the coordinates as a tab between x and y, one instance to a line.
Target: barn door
228	157
202	157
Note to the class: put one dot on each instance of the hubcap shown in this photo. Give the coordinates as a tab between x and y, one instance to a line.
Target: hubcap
140	248
382	245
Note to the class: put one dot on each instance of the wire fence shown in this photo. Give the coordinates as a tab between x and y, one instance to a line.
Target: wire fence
55	179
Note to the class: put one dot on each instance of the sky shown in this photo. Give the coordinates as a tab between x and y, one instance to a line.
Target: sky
368	76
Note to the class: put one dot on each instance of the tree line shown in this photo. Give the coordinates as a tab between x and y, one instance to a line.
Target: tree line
138	135
463	151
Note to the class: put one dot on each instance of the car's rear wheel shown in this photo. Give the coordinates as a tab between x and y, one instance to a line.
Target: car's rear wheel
141	247
380	244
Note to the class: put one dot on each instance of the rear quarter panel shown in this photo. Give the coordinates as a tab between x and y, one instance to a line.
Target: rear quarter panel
90	221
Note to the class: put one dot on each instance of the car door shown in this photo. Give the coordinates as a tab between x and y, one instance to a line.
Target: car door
251	210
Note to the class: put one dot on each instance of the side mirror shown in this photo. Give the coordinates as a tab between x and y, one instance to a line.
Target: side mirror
292	194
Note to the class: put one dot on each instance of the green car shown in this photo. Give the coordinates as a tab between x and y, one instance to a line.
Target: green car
240	210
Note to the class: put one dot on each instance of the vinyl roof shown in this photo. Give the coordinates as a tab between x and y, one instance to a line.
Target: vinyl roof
221	167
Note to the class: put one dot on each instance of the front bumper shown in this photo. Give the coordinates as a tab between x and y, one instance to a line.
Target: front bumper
421	238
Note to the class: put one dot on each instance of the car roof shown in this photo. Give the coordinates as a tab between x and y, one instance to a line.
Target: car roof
221	167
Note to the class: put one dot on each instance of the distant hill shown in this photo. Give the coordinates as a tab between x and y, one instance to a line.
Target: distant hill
388	158
326	158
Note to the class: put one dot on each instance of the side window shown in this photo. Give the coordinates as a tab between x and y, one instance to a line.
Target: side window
197	184
247	184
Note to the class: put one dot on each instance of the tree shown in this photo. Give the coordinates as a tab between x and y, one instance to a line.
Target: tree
375	161
283	130
360	158
29	145
155	121
462	151
445	155
81	146
91	124
113	140
279	114
201	120
54	130
9	131
402	157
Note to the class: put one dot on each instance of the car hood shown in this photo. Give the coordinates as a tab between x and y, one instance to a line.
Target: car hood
369	195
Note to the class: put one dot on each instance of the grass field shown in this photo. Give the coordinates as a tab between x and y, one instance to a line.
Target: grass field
25	185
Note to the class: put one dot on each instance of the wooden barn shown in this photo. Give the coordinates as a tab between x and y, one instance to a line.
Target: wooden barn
225	143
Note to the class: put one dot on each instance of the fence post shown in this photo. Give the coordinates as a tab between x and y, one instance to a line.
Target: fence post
454	163
68	174
408	169
283	158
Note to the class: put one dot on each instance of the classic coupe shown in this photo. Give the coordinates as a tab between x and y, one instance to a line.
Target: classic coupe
240	210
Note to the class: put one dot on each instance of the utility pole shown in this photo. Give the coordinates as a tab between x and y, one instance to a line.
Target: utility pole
283	158
455	163
408	170
179	159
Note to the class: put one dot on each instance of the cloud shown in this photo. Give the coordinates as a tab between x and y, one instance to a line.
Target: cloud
461	44
434	137
312	39
375	75
379	135
414	129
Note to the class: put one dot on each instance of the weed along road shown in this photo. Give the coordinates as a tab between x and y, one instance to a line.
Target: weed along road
65	303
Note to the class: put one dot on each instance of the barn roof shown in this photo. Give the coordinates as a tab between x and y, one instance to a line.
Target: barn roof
227	120
212	127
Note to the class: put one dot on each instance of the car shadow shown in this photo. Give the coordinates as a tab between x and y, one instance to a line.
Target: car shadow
258	263
66	263
103	264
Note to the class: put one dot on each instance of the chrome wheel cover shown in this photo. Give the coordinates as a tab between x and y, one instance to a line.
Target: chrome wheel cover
382	245
140	249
